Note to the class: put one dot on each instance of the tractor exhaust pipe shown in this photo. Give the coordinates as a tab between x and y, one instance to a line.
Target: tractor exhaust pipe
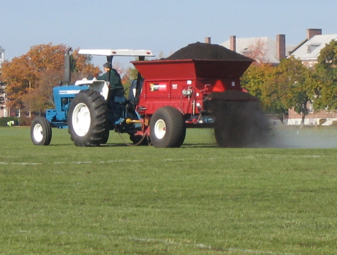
67	67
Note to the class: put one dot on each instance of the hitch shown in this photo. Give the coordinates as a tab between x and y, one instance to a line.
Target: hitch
130	121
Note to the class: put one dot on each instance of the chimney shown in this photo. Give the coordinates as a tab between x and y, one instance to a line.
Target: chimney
208	40
311	32
280	47
232	43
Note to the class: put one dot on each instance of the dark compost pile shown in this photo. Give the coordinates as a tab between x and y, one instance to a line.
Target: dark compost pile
239	118
207	51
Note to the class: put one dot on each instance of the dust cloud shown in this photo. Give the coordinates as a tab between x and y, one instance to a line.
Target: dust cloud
239	119
283	136
243	124
240	124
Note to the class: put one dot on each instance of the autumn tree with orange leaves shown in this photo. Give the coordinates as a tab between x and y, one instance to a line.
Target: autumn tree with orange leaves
30	78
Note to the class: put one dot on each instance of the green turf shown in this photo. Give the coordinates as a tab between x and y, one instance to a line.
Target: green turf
198	199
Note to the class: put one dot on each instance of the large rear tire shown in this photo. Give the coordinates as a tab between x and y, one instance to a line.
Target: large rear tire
41	131
167	128
87	119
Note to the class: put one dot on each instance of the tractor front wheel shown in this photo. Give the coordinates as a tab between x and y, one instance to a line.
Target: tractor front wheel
40	131
87	119
167	128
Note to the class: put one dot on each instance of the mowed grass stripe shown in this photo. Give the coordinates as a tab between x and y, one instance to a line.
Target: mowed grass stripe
266	156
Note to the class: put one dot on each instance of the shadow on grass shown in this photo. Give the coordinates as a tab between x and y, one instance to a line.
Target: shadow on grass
200	145
116	145
109	145
60	144
102	145
184	146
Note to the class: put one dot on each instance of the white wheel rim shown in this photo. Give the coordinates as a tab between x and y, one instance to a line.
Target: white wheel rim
81	119
160	129
38	133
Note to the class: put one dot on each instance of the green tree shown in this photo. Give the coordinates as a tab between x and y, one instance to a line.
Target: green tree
259	80
288	85
295	86
326	74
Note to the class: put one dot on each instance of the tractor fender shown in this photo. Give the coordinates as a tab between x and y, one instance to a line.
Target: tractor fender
97	85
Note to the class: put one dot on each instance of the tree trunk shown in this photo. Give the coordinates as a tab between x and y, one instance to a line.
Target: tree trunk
303	118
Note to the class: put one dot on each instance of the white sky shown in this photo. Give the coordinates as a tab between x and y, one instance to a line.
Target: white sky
159	25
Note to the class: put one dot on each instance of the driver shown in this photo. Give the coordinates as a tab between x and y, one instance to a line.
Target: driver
116	87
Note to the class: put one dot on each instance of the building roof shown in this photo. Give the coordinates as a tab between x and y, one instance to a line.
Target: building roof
311	49
243	44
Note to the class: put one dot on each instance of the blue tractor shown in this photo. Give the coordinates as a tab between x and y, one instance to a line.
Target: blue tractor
84	108
41	128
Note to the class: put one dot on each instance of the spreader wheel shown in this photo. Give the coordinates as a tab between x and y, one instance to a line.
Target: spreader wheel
40	131
87	119
167	128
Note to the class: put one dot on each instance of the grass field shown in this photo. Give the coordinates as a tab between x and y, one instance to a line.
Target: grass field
198	199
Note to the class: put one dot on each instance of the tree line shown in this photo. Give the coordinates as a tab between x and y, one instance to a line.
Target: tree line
30	78
290	85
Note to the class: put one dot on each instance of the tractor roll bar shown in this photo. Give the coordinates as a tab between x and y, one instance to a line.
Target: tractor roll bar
117	52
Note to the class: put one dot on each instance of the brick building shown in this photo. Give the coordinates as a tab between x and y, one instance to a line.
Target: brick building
273	50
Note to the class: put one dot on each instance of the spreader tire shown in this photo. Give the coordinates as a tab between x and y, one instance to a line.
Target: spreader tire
167	128
87	119
40	131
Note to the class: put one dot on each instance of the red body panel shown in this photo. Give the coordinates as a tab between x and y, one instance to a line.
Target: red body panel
184	83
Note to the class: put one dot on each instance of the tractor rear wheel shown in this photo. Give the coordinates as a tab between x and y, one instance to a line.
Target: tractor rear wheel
167	128
40	131
87	119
